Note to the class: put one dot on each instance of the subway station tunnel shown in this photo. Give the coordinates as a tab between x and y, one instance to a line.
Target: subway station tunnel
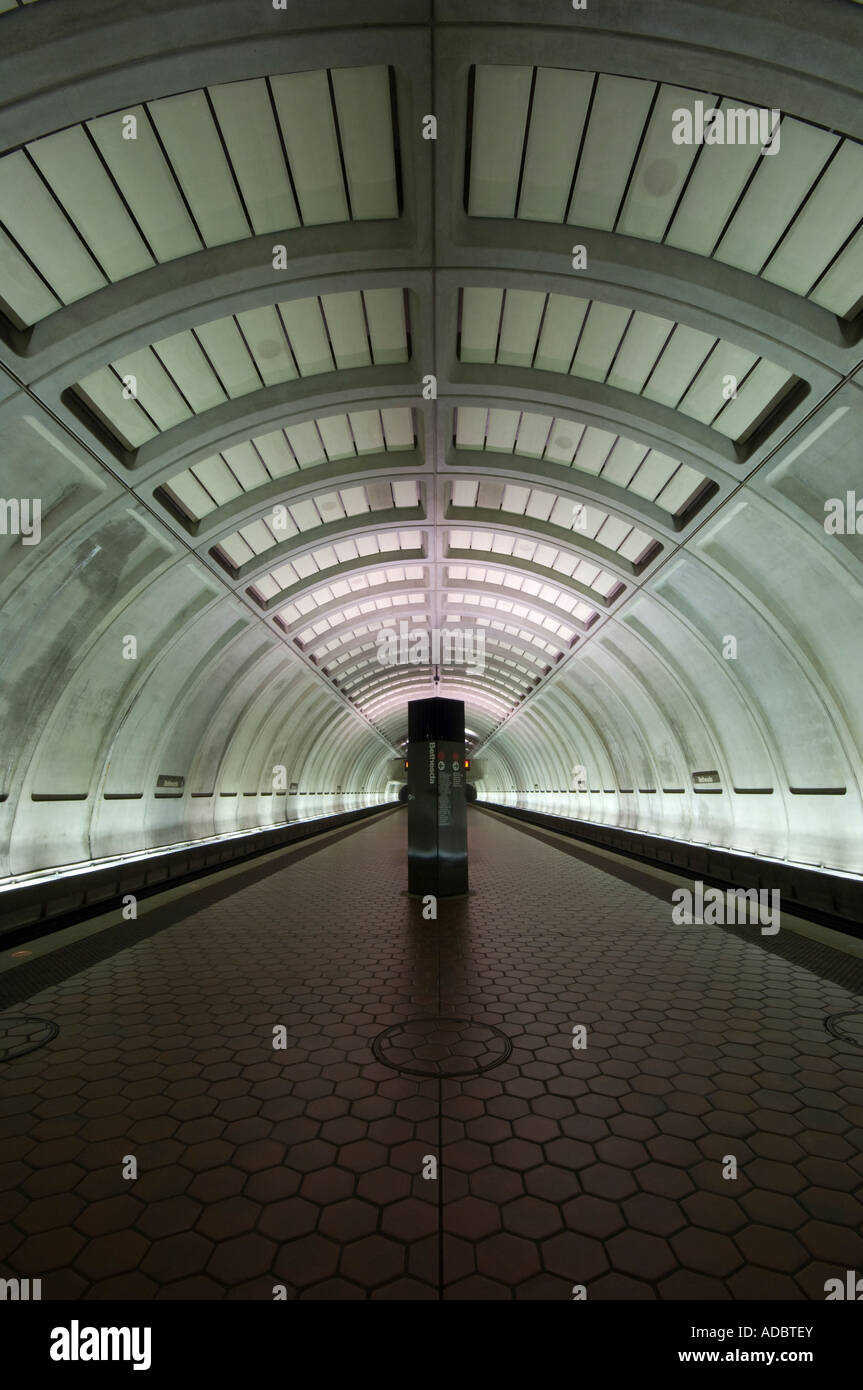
328	322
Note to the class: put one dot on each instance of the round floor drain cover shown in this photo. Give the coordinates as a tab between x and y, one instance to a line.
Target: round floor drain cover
19	1035
847	1026
441	1047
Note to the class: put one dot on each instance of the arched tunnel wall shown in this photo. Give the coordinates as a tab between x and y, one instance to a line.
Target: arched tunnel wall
209	696
709	691
742	659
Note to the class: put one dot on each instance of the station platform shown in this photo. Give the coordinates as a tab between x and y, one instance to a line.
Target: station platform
429	1130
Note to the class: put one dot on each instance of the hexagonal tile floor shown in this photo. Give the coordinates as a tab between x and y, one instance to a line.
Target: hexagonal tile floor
318	1167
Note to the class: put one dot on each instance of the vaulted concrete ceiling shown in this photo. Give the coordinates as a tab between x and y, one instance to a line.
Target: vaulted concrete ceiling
426	407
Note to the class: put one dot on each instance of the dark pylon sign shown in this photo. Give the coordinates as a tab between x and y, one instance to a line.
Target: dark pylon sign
437	814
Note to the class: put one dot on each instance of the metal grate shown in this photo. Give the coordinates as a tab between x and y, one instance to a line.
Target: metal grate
441	1047
20	1034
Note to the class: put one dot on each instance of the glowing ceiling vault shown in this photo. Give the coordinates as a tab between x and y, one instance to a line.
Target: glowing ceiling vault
284	373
